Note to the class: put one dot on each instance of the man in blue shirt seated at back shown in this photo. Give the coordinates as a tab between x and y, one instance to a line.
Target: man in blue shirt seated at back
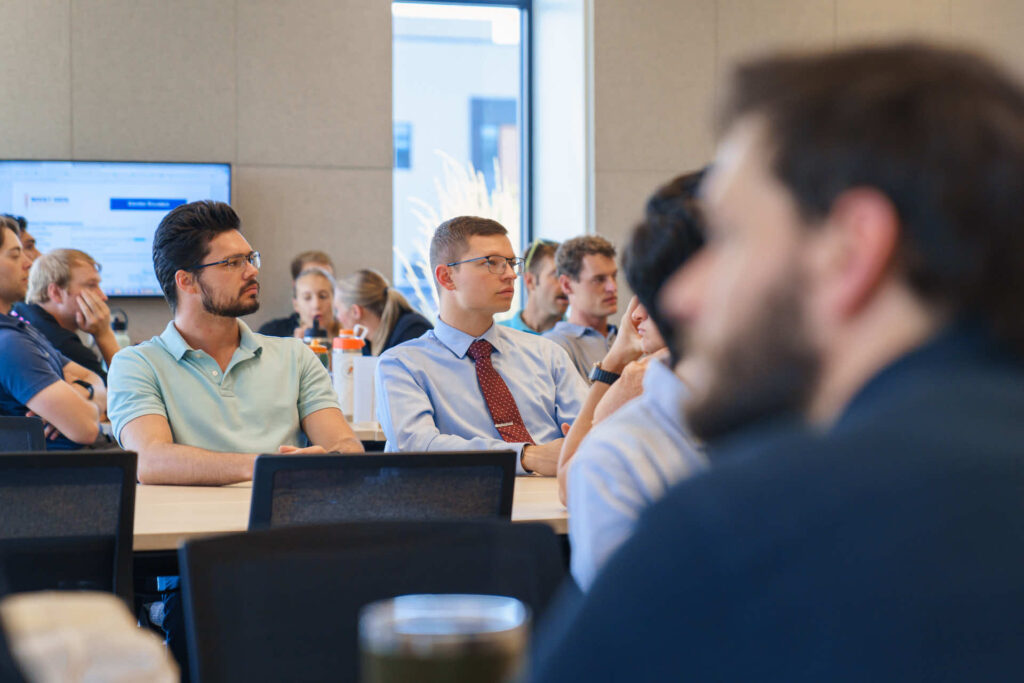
545	300
469	384
64	296
203	399
856	321
587	273
35	378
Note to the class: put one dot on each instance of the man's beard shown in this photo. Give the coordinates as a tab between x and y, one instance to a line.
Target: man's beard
235	309
768	368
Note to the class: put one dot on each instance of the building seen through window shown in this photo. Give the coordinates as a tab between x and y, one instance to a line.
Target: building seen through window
457	112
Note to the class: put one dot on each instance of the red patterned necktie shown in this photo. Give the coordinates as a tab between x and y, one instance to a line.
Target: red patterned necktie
500	403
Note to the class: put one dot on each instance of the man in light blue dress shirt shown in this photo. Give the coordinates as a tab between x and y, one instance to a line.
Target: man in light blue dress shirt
630	459
203	399
587	273
429	397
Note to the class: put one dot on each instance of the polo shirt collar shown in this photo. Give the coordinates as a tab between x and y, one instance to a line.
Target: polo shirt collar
176	345
458	342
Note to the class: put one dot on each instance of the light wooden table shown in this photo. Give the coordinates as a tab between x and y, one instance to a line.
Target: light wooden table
167	515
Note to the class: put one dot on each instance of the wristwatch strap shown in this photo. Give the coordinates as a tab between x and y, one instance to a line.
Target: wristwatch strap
88	387
599	375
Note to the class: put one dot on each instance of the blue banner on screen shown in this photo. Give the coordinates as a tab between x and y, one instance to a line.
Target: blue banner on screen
108	209
139	204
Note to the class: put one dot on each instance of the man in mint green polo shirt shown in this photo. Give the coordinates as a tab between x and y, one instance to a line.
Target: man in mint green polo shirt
203	399
545	300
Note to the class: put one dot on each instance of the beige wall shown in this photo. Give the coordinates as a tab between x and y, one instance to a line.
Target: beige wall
658	65
296	94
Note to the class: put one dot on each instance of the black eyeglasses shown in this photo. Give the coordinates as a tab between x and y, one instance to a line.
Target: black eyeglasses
533	250
234	262
496	264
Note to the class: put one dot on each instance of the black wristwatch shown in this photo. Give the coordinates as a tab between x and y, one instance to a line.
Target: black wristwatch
599	375
88	387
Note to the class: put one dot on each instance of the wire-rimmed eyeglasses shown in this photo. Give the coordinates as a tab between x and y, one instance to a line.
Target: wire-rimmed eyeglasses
496	264
234	262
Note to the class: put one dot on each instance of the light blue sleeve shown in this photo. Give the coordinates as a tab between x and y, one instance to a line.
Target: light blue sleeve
603	502
570	389
315	389
406	415
132	390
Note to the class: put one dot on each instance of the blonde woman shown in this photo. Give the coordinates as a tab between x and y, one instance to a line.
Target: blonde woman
366	298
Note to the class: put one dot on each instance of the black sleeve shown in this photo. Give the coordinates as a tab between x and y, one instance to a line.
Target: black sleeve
75	350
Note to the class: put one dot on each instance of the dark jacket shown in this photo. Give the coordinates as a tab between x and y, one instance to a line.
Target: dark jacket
889	548
410	325
280	327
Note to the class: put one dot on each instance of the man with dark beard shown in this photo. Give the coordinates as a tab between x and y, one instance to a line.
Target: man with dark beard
856	320
203	399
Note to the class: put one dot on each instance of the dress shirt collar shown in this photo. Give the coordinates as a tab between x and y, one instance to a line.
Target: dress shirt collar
573	330
178	347
458	341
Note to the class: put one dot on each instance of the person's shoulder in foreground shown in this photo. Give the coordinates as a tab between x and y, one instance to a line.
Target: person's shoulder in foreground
859	555
626	463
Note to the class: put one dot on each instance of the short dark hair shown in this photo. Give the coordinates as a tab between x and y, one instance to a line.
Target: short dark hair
672	231
569	257
939	131
300	261
182	240
451	237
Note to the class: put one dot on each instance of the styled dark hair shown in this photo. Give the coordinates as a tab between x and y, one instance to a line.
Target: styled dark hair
182	240
569	257
450	238
939	131
671	232
302	261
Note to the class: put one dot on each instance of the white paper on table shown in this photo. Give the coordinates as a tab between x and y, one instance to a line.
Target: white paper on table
363	405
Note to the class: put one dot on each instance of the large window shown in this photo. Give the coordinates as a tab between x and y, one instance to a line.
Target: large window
459	110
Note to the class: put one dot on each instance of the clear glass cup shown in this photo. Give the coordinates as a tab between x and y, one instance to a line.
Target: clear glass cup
433	638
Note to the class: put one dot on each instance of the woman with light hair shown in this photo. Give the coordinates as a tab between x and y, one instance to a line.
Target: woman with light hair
366	298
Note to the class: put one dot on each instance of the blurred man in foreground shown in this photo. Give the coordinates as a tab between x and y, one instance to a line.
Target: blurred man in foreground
856	320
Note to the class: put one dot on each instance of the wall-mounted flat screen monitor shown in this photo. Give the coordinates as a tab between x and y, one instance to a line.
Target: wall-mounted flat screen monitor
108	209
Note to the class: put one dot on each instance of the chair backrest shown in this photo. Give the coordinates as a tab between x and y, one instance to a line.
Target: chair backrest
283	604
66	521
21	434
324	489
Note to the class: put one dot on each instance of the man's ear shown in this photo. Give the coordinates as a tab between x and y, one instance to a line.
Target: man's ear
862	236
566	282
186	281
443	274
529	281
55	293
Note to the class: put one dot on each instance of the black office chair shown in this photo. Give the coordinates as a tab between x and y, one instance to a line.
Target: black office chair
21	434
323	489
283	604
66	521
